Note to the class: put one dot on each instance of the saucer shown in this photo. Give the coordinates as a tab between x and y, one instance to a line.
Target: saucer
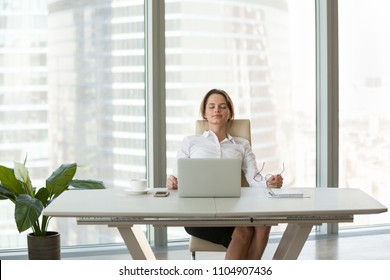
132	191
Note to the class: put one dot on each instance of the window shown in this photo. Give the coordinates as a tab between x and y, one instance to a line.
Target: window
72	90
262	53
23	99
364	98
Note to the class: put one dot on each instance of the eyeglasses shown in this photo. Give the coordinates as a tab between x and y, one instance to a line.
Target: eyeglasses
258	177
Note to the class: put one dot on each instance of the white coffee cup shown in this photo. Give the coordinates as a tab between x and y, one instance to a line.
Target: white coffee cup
139	185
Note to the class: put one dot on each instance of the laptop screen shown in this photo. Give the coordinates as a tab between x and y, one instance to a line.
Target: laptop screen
209	177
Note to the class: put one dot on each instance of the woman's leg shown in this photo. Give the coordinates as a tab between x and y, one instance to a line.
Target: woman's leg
259	242
240	243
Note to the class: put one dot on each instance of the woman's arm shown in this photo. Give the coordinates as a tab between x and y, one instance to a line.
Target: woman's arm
249	167
183	152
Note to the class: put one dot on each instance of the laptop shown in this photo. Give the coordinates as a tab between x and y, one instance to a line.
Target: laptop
209	177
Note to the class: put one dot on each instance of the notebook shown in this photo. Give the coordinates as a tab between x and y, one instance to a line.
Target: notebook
209	177
289	192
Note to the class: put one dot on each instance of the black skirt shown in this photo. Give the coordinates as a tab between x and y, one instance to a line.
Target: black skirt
218	235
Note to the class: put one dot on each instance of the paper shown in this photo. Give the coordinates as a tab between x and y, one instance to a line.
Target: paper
287	192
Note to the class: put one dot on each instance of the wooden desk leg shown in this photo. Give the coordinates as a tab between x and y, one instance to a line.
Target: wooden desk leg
136	243
292	241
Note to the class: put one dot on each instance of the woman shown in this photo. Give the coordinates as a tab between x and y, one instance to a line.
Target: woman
217	108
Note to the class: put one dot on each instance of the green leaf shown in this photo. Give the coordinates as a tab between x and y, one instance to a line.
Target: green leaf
87	184
27	211
60	178
6	194
43	196
9	181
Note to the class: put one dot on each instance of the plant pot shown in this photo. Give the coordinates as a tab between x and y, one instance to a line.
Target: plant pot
44	247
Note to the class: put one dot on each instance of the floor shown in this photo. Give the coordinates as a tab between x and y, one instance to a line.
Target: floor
354	245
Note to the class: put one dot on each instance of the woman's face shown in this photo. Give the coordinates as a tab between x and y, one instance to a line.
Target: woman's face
217	111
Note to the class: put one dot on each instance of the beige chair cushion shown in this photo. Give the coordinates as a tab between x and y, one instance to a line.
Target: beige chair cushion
197	244
239	128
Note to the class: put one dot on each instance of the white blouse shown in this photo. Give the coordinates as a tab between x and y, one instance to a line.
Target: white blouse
207	145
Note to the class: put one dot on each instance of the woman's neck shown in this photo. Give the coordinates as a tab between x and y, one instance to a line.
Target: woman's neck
221	132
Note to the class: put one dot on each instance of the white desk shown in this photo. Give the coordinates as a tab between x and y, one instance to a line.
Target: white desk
118	209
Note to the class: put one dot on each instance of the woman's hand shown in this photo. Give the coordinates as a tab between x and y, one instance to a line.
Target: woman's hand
172	182
275	181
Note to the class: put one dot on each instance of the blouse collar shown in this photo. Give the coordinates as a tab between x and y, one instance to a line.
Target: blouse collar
209	133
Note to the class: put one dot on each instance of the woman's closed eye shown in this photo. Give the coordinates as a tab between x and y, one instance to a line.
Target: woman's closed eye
221	106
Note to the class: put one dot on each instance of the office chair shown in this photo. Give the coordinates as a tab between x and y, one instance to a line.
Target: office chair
241	128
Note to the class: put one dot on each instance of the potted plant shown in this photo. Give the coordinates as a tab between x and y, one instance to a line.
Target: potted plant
15	185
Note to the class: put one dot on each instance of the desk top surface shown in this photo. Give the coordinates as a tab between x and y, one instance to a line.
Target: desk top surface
317	201
253	202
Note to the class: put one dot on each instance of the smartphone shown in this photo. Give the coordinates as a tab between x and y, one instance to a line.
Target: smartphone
161	193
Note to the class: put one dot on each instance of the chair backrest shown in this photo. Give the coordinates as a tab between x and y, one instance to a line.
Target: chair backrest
238	128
